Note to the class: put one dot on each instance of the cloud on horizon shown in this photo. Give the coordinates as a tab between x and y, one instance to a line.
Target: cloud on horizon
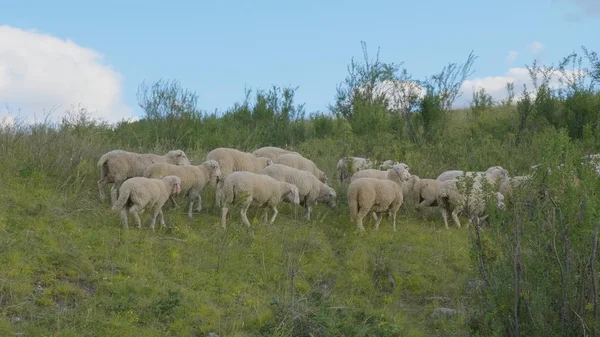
41	73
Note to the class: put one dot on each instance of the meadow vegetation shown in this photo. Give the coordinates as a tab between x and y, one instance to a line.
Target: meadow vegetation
67	268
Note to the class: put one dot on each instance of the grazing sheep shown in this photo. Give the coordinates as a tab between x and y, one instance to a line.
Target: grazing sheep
425	193
450	199
117	166
493	174
311	190
255	189
347	166
273	152
231	160
367	195
139	193
386	165
193	178
399	173
301	163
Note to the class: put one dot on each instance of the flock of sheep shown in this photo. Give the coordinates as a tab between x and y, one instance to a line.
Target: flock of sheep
270	175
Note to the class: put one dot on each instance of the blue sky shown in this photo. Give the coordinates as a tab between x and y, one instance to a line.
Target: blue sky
218	48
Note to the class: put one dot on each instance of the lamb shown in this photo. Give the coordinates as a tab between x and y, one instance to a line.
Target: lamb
493	174
231	160
117	166
398	173
273	152
347	166
139	193
425	193
450	199
367	195
301	163
311	190
193	178
255	189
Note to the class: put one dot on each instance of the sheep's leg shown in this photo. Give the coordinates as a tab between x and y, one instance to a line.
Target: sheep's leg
455	217
134	210
378	221
425	203
161	218
224	217
174	202
445	217
244	210
124	219
359	218
199	199
265	217
308	211
374	216
218	192
394	219
114	194
192	196
153	220
274	208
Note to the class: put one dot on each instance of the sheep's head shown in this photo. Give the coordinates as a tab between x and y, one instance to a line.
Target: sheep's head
328	196
214	168
175	183
291	193
265	161
402	171
179	157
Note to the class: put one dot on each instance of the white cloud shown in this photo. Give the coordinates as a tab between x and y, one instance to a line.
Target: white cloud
496	85
40	72
536	47
512	55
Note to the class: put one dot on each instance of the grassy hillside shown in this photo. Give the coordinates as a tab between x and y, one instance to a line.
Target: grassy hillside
67	268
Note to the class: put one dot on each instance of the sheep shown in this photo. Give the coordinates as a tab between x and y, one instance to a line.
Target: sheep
117	166
399	173
388	164
193	178
273	152
255	189
311	190
450	199
347	166
425	193
493	174
231	160
301	163
139	193
367	195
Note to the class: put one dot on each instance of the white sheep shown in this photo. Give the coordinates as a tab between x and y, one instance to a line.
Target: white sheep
232	160
117	166
367	195
311	190
301	163
273	152
508	185
493	174
399	173
408	187
139	193
193	178
451	198
248	188
347	166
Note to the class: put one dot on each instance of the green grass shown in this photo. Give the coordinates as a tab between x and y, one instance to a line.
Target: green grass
67	269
